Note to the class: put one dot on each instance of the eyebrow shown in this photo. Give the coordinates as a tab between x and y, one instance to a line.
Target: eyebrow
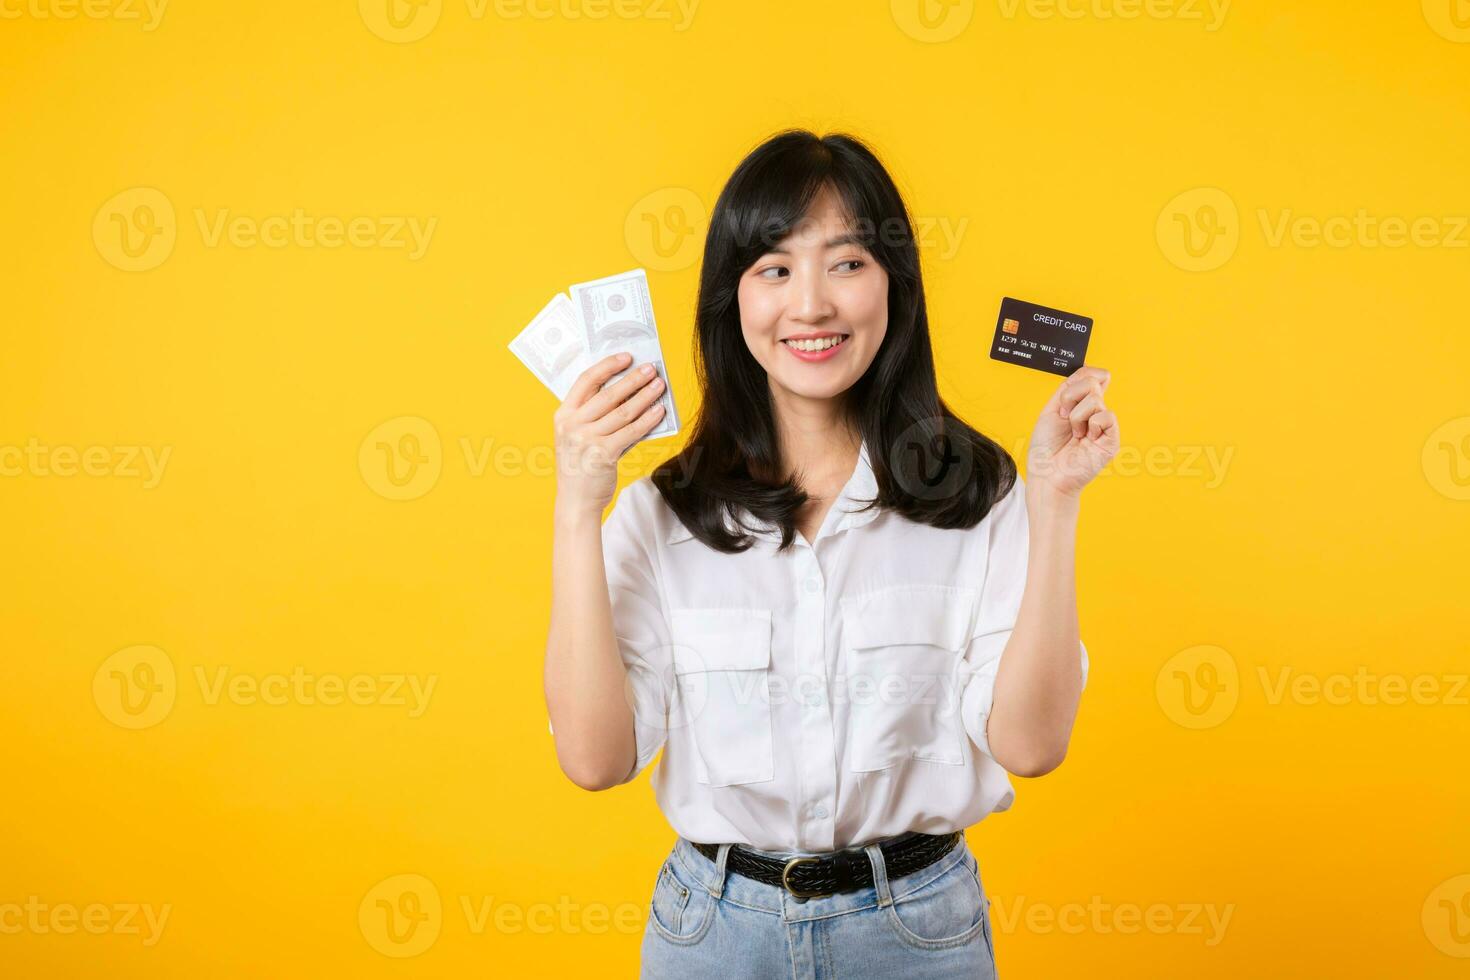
838	242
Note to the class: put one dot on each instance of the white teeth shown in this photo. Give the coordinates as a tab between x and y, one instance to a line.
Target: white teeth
821	343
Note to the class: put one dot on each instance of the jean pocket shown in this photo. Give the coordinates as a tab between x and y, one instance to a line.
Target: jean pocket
948	911
722	662
904	648
680	912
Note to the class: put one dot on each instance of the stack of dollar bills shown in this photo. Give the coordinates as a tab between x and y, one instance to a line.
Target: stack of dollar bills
605	316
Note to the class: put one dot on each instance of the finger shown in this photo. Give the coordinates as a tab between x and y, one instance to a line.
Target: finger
603	403
636	429
1102	428
594	377
630	409
1083	411
1081	381
1075	392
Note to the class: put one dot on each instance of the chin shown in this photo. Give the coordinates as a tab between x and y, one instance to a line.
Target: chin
816	389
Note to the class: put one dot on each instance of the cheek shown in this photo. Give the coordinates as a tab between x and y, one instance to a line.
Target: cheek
758	312
870	305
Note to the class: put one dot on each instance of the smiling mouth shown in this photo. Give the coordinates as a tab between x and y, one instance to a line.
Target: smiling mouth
816	344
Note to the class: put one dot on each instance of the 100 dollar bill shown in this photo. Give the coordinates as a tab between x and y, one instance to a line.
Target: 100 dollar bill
602	317
616	315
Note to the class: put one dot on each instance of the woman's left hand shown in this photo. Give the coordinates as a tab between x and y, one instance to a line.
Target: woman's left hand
1075	436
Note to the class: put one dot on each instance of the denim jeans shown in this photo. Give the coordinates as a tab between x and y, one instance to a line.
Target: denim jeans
709	923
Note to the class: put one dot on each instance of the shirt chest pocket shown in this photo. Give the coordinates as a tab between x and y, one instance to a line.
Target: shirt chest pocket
904	650
722	661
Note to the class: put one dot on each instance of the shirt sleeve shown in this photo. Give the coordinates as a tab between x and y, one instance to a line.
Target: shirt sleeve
630	539
1000	603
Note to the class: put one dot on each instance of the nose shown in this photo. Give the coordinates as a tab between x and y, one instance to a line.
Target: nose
810	303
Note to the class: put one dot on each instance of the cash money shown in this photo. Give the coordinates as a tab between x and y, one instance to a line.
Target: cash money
605	316
616	314
553	346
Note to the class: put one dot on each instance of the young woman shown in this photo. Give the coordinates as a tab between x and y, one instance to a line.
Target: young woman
839	611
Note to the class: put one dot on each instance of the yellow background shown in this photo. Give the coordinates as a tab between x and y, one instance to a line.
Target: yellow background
546	148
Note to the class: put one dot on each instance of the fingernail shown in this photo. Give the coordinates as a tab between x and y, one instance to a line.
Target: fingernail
647	369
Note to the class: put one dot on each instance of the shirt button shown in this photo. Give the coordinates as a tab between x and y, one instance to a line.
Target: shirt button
812	586
821	812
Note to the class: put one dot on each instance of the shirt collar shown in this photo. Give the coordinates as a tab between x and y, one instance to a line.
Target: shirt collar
845	514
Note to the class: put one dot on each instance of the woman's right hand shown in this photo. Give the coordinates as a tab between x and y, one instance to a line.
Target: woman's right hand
594	428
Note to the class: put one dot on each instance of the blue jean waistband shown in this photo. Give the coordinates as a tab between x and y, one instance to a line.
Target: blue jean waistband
696	870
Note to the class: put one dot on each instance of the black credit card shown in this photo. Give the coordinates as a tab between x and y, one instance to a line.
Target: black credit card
1040	337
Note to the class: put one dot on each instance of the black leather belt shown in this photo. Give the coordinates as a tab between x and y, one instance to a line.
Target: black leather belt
839	871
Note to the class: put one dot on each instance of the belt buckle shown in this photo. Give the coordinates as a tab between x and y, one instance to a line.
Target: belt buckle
800	895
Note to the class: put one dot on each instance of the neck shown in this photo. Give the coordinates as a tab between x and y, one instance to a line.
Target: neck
818	443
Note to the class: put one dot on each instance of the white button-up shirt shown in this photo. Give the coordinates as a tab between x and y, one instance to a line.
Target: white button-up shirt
825	697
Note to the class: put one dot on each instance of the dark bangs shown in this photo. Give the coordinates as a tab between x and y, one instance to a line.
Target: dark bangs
773	189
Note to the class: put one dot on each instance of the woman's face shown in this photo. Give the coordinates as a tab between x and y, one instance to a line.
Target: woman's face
814	309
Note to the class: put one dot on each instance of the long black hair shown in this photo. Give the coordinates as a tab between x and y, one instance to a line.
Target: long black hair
929	465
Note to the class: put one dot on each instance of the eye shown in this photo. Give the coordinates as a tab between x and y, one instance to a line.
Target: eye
855	263
774	268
